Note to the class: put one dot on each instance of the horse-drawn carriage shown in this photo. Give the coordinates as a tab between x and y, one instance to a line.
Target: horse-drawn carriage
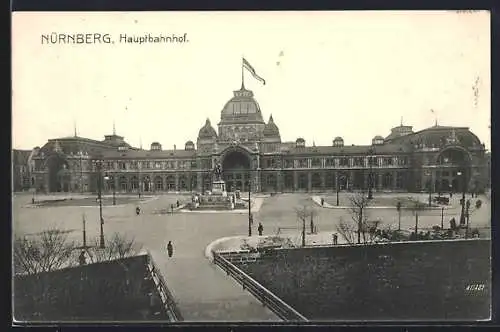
443	200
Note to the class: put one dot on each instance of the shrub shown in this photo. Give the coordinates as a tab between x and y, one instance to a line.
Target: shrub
479	203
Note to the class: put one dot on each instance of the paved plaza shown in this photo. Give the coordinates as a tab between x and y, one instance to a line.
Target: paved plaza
203	291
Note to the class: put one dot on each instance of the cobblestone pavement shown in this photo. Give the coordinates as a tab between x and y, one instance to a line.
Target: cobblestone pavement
203	291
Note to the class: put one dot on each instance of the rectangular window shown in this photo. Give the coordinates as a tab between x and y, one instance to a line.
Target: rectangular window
316	162
302	163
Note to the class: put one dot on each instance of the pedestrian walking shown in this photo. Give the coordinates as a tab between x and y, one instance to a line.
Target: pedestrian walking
170	249
260	229
137	210
322	201
335	238
453	223
178	203
82	259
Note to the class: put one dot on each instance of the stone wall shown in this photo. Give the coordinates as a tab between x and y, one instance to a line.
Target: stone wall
409	281
109	291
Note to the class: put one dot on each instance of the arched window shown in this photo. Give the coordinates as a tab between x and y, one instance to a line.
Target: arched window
316	181
183	184
158	183
387	180
302	181
134	183
123	183
170	183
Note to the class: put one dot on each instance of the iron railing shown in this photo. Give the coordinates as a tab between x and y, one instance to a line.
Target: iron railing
166	296
275	304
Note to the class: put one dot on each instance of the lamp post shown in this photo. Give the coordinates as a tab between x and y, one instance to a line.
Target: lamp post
98	165
338	185
370	175
111	178
429	175
461	175
139	166
250	218
84	232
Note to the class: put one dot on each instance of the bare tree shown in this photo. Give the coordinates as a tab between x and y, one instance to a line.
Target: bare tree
359	229
359	202
416	206
304	212
117	247
347	230
47	251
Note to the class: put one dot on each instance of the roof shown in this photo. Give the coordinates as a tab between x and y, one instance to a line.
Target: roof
271	129
138	154
20	157
89	140
356	149
241	108
207	131
438	135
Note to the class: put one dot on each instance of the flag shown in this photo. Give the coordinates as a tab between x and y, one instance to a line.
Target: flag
249	67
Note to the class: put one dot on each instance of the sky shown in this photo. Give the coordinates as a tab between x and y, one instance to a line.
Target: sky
349	74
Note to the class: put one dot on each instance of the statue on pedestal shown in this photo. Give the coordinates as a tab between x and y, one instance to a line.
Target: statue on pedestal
218	172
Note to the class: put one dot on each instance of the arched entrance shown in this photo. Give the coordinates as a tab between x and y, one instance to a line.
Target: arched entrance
236	170
454	169
59	176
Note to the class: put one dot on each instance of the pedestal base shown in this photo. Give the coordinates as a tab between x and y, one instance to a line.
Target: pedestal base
219	188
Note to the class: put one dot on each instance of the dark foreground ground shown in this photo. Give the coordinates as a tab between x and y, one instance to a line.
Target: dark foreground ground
110	291
409	281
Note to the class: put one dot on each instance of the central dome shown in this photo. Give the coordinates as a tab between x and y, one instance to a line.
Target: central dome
242	108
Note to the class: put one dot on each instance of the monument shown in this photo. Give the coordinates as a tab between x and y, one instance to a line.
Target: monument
218	185
217	198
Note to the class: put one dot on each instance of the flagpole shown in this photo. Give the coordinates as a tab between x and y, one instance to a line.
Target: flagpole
242	75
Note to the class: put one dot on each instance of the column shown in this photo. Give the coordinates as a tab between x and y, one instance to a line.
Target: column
295	180
351	180
176	181
379	181
323	180
279	181
256	182
309	181
394	179
433	181
46	181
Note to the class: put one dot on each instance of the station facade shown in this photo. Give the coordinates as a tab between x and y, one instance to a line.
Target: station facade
253	156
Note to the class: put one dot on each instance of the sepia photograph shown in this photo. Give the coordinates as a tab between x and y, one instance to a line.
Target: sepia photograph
293	166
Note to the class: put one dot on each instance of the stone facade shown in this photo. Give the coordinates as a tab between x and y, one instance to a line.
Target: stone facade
254	157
